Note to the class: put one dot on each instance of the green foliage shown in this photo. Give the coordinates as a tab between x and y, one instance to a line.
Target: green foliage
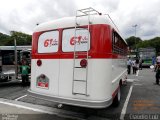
133	41
21	38
3	39
155	43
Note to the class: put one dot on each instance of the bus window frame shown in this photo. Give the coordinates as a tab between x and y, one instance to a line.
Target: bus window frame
120	47
57	45
74	30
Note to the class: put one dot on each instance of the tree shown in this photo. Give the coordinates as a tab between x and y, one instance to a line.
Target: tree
133	41
155	43
21	38
4	39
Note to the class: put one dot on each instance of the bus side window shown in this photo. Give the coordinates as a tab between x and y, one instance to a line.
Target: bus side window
118	44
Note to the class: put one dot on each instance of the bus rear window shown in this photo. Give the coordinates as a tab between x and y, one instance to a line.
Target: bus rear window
82	40
48	42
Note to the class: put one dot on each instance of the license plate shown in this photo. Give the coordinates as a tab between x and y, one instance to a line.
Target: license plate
43	85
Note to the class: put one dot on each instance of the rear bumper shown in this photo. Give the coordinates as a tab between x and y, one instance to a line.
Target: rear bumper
71	101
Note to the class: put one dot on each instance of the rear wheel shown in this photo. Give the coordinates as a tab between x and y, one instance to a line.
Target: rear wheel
117	99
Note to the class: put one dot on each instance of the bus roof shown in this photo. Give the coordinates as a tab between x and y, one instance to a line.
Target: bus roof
70	22
67	22
17	47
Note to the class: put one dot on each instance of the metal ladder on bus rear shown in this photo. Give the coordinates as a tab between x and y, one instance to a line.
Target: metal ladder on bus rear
82	13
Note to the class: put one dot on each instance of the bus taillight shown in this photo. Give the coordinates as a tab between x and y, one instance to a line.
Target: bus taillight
83	63
39	62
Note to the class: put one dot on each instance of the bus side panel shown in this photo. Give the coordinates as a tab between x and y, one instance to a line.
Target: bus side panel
50	68
119	72
99	79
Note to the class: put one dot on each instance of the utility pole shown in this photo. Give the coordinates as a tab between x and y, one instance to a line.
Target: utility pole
135	26
15	58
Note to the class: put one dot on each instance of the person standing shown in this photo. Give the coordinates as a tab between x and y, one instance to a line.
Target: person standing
134	66
140	63
157	69
153	60
158	58
129	63
24	72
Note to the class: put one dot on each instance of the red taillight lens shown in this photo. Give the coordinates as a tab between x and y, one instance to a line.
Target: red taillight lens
83	63
39	62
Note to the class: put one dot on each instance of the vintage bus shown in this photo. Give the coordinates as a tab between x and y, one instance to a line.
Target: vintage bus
80	65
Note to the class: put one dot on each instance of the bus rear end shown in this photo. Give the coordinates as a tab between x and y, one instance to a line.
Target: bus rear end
62	69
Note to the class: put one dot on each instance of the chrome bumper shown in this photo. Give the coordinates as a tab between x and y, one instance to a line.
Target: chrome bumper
71	101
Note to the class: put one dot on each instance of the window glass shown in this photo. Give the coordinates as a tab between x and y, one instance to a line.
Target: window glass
8	57
48	42
118	46
81	41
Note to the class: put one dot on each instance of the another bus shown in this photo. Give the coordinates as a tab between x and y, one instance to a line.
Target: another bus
146	55
82	66
7	60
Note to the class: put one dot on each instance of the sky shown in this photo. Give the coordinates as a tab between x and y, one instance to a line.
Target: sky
23	15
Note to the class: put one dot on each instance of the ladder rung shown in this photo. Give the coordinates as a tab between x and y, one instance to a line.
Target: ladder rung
89	12
80	93
87	15
85	9
80	54
80	67
81	28
88	9
80	80
77	57
81	15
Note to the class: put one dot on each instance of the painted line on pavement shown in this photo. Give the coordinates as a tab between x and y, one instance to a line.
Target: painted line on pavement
42	109
137	73
138	84
20	97
130	80
123	112
24	107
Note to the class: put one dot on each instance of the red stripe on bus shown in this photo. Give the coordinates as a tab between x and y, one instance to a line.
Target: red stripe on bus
115	92
100	46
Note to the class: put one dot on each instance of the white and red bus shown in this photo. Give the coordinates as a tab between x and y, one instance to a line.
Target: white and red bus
78	66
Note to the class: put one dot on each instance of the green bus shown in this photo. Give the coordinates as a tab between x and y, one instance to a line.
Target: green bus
146	55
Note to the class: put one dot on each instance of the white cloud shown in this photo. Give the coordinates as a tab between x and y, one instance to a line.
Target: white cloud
24	15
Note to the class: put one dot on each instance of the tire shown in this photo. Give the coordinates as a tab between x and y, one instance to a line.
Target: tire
117	99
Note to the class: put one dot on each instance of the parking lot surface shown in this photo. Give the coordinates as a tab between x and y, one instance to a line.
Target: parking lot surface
139	98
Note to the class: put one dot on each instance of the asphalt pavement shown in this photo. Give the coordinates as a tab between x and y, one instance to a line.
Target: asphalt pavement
140	99
145	97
